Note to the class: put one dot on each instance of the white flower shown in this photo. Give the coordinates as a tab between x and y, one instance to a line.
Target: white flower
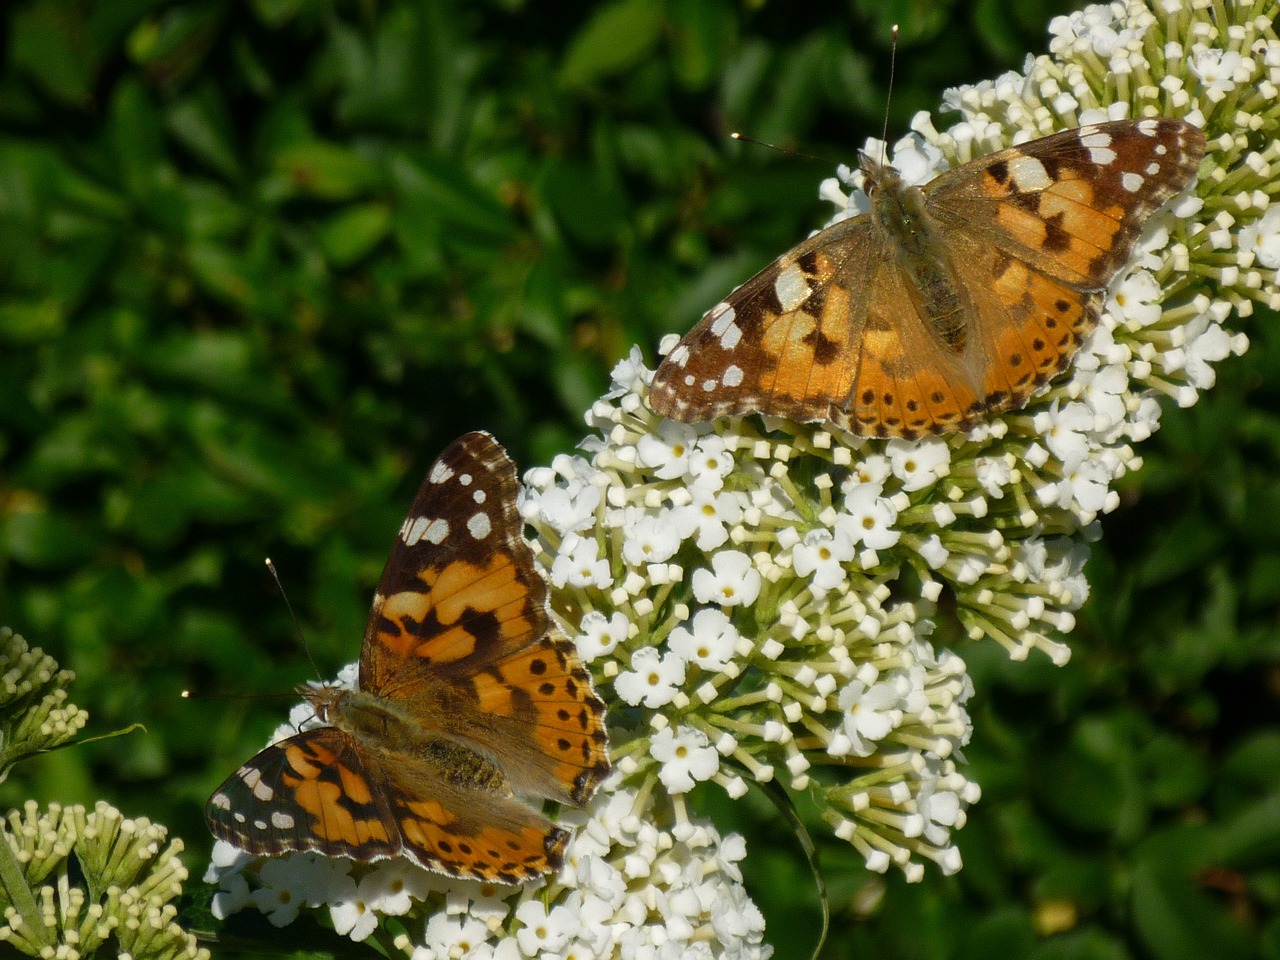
629	375
1137	300
994	474
1064	428
650	539
710	644
353	918
653	679
599	637
687	757
710	514
454	936
579	563
869	519
1104	392
732	580
305	879
1212	344
391	886
1088	481
710	463
1217	69
1261	238
565	509
870	714
544	931
918	463
821	556
871	470
232	896
669	451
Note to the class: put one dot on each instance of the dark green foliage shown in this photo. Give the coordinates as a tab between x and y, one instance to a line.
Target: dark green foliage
261	261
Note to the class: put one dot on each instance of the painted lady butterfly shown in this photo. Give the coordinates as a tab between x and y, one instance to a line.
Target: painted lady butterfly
469	703
945	303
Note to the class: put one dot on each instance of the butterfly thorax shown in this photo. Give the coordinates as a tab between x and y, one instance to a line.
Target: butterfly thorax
386	731
907	229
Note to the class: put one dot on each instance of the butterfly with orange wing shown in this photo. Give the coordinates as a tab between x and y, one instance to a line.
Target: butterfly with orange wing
470	709
945	303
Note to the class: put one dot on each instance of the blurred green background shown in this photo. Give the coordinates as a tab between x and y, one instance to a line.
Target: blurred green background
261	260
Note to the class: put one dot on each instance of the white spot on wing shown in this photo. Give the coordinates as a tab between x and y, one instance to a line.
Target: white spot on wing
281	821
689	379
1099	146
238	817
1148	127
479	525
791	288
708	385
465	479
260	824
1153	168
1161	149
732	334
1029	174
679	356
722	315
439	473
436	531
1132	182
221	801
479	496
252	779
732	376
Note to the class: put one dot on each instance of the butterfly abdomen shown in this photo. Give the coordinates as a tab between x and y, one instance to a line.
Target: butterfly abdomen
900	213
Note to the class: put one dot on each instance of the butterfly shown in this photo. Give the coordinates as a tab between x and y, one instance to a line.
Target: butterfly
470	705
945	303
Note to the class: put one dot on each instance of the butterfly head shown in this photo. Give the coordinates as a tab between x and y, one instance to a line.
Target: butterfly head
877	177
324	700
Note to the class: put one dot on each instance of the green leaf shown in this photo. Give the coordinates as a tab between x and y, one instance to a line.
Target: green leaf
327	170
49	43
618	37
1174	920
351	233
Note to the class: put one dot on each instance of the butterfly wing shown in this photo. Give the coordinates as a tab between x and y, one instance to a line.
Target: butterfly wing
788	342
312	791
462	828
461	636
317	791
1071	206
1063	215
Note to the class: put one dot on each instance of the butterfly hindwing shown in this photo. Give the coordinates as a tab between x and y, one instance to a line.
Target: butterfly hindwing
312	791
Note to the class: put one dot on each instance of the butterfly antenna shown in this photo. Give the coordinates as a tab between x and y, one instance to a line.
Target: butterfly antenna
888	96
297	627
785	151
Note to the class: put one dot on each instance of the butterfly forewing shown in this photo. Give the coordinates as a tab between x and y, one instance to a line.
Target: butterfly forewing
1072	205
459	588
894	327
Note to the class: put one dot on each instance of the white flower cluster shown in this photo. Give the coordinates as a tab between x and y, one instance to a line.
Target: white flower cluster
628	889
763	591
757	599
